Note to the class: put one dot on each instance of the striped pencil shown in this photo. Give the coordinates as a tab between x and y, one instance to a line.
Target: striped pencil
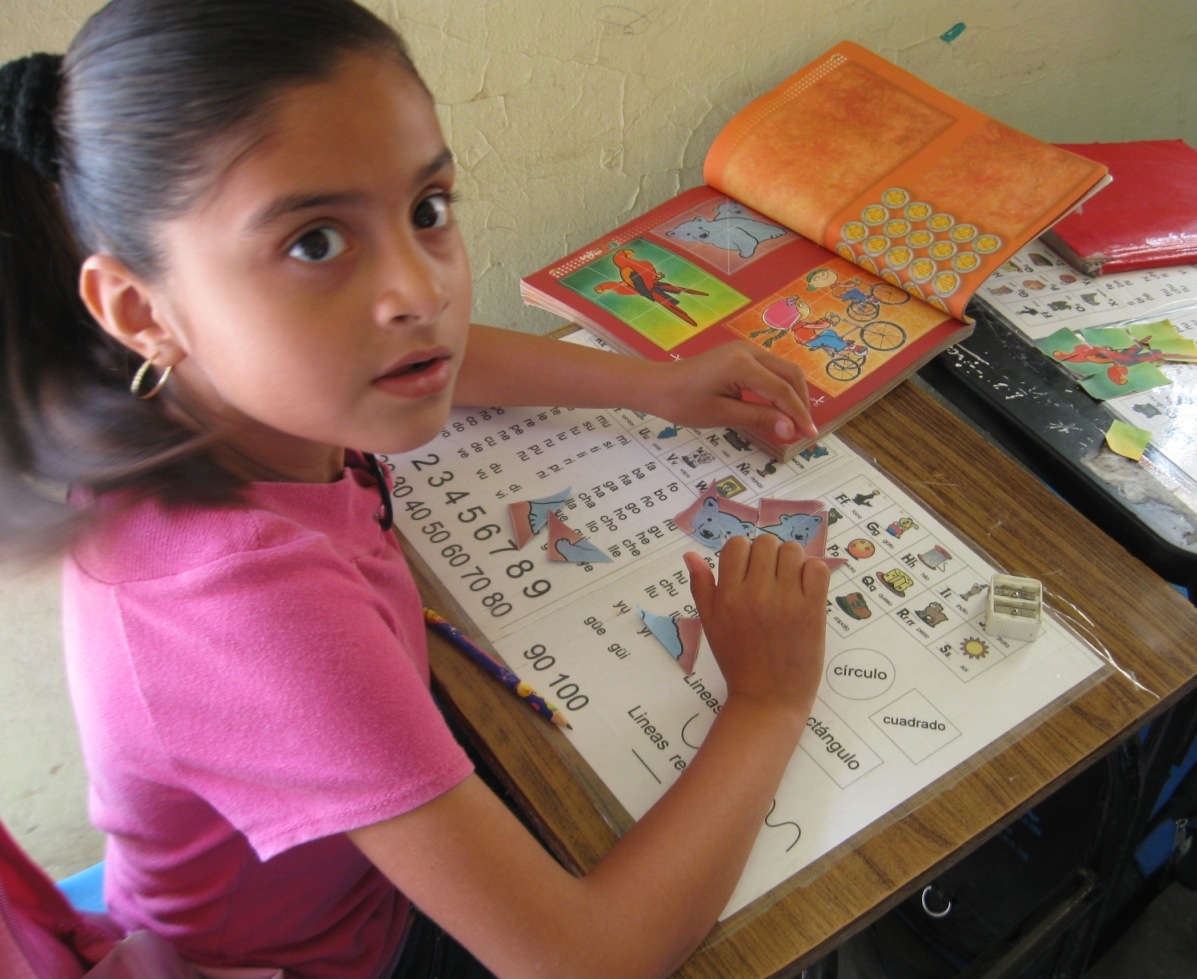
434	620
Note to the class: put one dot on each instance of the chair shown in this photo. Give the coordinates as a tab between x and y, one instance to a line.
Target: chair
85	890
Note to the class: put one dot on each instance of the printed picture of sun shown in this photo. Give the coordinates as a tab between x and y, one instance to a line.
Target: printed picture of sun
974	648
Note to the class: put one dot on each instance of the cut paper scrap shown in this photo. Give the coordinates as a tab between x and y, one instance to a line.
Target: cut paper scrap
567	544
804	521
1104	351
1114	337
1150	334
1151	342
1176	350
679	635
1124	380
1127	440
712	519
1062	346
528	517
1163	336
1115	354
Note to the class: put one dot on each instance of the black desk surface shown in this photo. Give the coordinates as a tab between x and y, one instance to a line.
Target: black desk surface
1036	410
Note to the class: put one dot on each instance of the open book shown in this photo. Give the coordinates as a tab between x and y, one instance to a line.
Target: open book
847	217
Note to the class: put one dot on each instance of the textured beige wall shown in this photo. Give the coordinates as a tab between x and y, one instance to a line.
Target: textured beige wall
569	116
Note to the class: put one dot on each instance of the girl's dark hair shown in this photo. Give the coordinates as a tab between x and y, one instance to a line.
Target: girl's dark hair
145	96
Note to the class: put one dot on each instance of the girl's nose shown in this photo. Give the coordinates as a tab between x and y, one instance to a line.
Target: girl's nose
411	291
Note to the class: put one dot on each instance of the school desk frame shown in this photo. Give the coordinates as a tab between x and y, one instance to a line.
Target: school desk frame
1143	622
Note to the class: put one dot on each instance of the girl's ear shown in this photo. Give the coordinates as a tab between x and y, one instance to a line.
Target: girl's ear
123	304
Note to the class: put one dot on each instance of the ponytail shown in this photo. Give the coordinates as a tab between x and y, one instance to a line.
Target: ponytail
67	419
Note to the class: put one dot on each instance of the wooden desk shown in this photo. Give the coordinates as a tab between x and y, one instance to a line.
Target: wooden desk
1150	630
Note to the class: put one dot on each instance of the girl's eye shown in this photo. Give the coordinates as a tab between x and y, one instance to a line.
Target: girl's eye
318	245
432	212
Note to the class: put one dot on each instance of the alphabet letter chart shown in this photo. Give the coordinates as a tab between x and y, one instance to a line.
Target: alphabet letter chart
913	687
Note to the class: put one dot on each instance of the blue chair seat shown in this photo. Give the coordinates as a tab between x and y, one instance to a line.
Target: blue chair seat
85	890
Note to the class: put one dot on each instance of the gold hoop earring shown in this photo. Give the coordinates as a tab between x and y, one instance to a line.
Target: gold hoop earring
139	377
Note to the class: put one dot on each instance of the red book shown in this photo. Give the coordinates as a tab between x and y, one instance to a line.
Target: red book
1146	218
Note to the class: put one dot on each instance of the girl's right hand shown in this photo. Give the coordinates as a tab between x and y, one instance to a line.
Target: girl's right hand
656	893
765	620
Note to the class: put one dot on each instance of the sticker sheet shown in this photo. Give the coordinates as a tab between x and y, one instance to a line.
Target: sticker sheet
912	688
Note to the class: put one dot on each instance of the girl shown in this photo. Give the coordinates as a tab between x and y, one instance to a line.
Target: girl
230	271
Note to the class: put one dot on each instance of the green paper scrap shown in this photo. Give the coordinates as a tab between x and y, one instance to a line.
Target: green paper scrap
1165	339
1127	440
1155	341
1114	337
1111	361
1174	348
1151	334
1139	377
1062	339
1059	345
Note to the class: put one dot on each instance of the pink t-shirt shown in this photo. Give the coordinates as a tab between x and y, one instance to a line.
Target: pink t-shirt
250	682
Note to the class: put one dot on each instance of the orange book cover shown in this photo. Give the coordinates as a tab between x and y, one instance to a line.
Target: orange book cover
894	175
848	216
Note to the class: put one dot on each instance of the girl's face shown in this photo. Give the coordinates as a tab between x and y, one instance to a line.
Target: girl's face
319	291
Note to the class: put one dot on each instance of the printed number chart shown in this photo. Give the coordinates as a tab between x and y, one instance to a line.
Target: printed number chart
912	688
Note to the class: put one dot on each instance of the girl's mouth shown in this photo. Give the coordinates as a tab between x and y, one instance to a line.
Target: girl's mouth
419	377
413	368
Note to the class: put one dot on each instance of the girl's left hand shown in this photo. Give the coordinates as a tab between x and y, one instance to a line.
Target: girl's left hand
737	385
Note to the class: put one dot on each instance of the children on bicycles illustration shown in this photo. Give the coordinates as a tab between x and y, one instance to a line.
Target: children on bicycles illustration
789	316
863	301
846	352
